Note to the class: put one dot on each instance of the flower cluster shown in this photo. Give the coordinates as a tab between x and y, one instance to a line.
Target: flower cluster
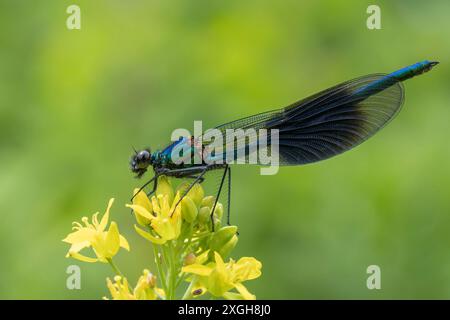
145	288
187	248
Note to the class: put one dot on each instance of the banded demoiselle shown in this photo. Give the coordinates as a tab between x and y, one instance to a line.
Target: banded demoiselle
318	127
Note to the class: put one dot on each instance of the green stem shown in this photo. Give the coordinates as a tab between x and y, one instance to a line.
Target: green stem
185	245
173	273
188	294
180	279
161	274
168	258
114	267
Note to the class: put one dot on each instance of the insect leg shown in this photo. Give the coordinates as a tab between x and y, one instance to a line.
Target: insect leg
155	178
195	177
217	197
229	196
155	185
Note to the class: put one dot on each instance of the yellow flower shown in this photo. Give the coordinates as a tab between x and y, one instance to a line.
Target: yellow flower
219	278
119	289
145	288
165	220
105	244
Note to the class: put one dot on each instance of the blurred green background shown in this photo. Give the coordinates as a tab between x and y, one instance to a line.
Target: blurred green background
72	103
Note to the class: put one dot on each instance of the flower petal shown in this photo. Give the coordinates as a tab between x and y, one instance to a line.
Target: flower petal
124	243
201	259
81	235
148	236
177	221
164	188
142	200
141	211
105	217
244	292
112	240
198	269
220	265
247	268
164	228
81	257
233	296
77	247
219	282
174	202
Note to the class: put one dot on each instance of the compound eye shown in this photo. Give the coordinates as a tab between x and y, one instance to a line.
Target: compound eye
144	155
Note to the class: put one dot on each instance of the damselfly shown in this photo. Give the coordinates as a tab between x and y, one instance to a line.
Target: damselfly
316	128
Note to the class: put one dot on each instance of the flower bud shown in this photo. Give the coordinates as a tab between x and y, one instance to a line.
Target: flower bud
182	187
188	209
208	201
165	188
147	280
145	287
218	211
222	237
196	194
151	280
228	247
217	223
189	259
204	215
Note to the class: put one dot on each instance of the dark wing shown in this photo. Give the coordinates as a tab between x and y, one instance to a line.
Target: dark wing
329	122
